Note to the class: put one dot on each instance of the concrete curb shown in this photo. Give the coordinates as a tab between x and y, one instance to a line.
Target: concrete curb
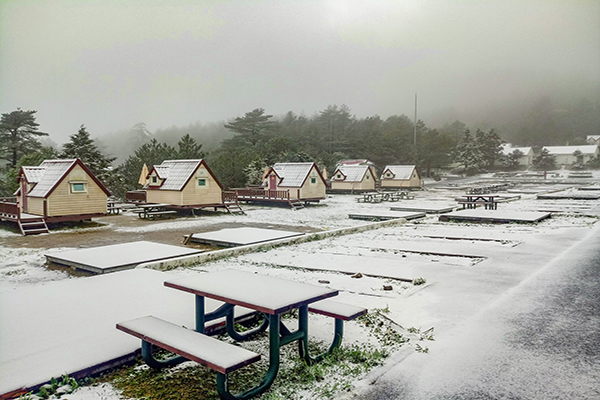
193	260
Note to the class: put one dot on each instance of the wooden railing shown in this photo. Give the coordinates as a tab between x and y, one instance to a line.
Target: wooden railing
229	196
135	196
9	206
262	194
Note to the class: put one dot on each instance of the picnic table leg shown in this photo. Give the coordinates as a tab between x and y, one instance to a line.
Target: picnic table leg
274	347
240	337
337	339
152	362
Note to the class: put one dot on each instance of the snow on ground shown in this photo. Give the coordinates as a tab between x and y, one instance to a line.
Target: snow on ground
465	265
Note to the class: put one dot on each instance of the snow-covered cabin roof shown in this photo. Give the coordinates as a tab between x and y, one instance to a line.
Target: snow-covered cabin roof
354	162
293	174
507	149
177	173
593	138
33	174
401	172
50	173
569	150
352	173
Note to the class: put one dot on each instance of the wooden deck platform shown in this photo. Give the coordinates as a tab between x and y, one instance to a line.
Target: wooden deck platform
428	208
495	216
83	340
117	257
573	195
384	215
233	237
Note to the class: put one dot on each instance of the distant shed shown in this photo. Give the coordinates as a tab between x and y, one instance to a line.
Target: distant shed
400	176
565	155
354	178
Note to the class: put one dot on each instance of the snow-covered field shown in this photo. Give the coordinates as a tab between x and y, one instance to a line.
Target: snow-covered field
466	266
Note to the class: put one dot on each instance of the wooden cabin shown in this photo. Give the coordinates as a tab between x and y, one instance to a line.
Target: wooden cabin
185	183
400	176
353	178
303	181
54	191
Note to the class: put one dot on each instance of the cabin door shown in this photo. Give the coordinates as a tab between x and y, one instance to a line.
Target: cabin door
272	185
23	195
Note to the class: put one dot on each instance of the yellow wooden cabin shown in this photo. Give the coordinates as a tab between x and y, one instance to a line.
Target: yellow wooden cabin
186	183
353	178
61	190
400	176
303	181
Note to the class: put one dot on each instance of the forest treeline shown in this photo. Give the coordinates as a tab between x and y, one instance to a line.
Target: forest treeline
239	150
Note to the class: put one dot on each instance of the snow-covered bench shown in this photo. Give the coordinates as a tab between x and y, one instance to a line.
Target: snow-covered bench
341	312
210	352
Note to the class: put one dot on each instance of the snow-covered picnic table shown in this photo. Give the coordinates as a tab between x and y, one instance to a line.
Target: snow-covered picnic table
268	295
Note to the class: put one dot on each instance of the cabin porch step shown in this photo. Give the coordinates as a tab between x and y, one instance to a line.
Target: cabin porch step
33	226
234	209
296	204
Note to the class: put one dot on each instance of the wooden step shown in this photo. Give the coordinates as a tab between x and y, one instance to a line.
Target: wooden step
33	226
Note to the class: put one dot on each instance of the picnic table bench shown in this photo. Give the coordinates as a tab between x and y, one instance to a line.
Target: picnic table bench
240	288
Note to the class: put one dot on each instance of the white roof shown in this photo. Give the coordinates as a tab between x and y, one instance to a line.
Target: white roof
48	174
176	173
400	171
507	149
354	162
33	174
595	137
588	149
353	173
293	174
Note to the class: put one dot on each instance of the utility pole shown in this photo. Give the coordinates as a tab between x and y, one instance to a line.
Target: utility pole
415	128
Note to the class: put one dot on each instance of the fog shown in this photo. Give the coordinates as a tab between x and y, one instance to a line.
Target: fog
110	64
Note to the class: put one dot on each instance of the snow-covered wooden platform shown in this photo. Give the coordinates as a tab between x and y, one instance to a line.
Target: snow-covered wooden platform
384	215
591	187
116	257
426	207
495	216
233	237
69	326
570	195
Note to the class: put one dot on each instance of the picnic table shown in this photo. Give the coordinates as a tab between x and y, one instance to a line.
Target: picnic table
154	210
268	295
473	200
378	197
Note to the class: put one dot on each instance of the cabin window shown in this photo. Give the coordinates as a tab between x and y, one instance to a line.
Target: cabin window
313	180
78	187
201	182
388	175
339	176
154	179
367	177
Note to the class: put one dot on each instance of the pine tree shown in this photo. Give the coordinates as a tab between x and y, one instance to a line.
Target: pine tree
490	146
83	147
18	130
189	149
253	126
467	153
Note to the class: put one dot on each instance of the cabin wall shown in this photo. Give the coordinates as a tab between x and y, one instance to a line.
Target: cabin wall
63	202
413	182
210	193
164	196
35	205
312	190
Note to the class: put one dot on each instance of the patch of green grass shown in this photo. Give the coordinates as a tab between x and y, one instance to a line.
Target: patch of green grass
295	380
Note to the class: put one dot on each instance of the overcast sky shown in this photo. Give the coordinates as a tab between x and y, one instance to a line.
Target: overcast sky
110	64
